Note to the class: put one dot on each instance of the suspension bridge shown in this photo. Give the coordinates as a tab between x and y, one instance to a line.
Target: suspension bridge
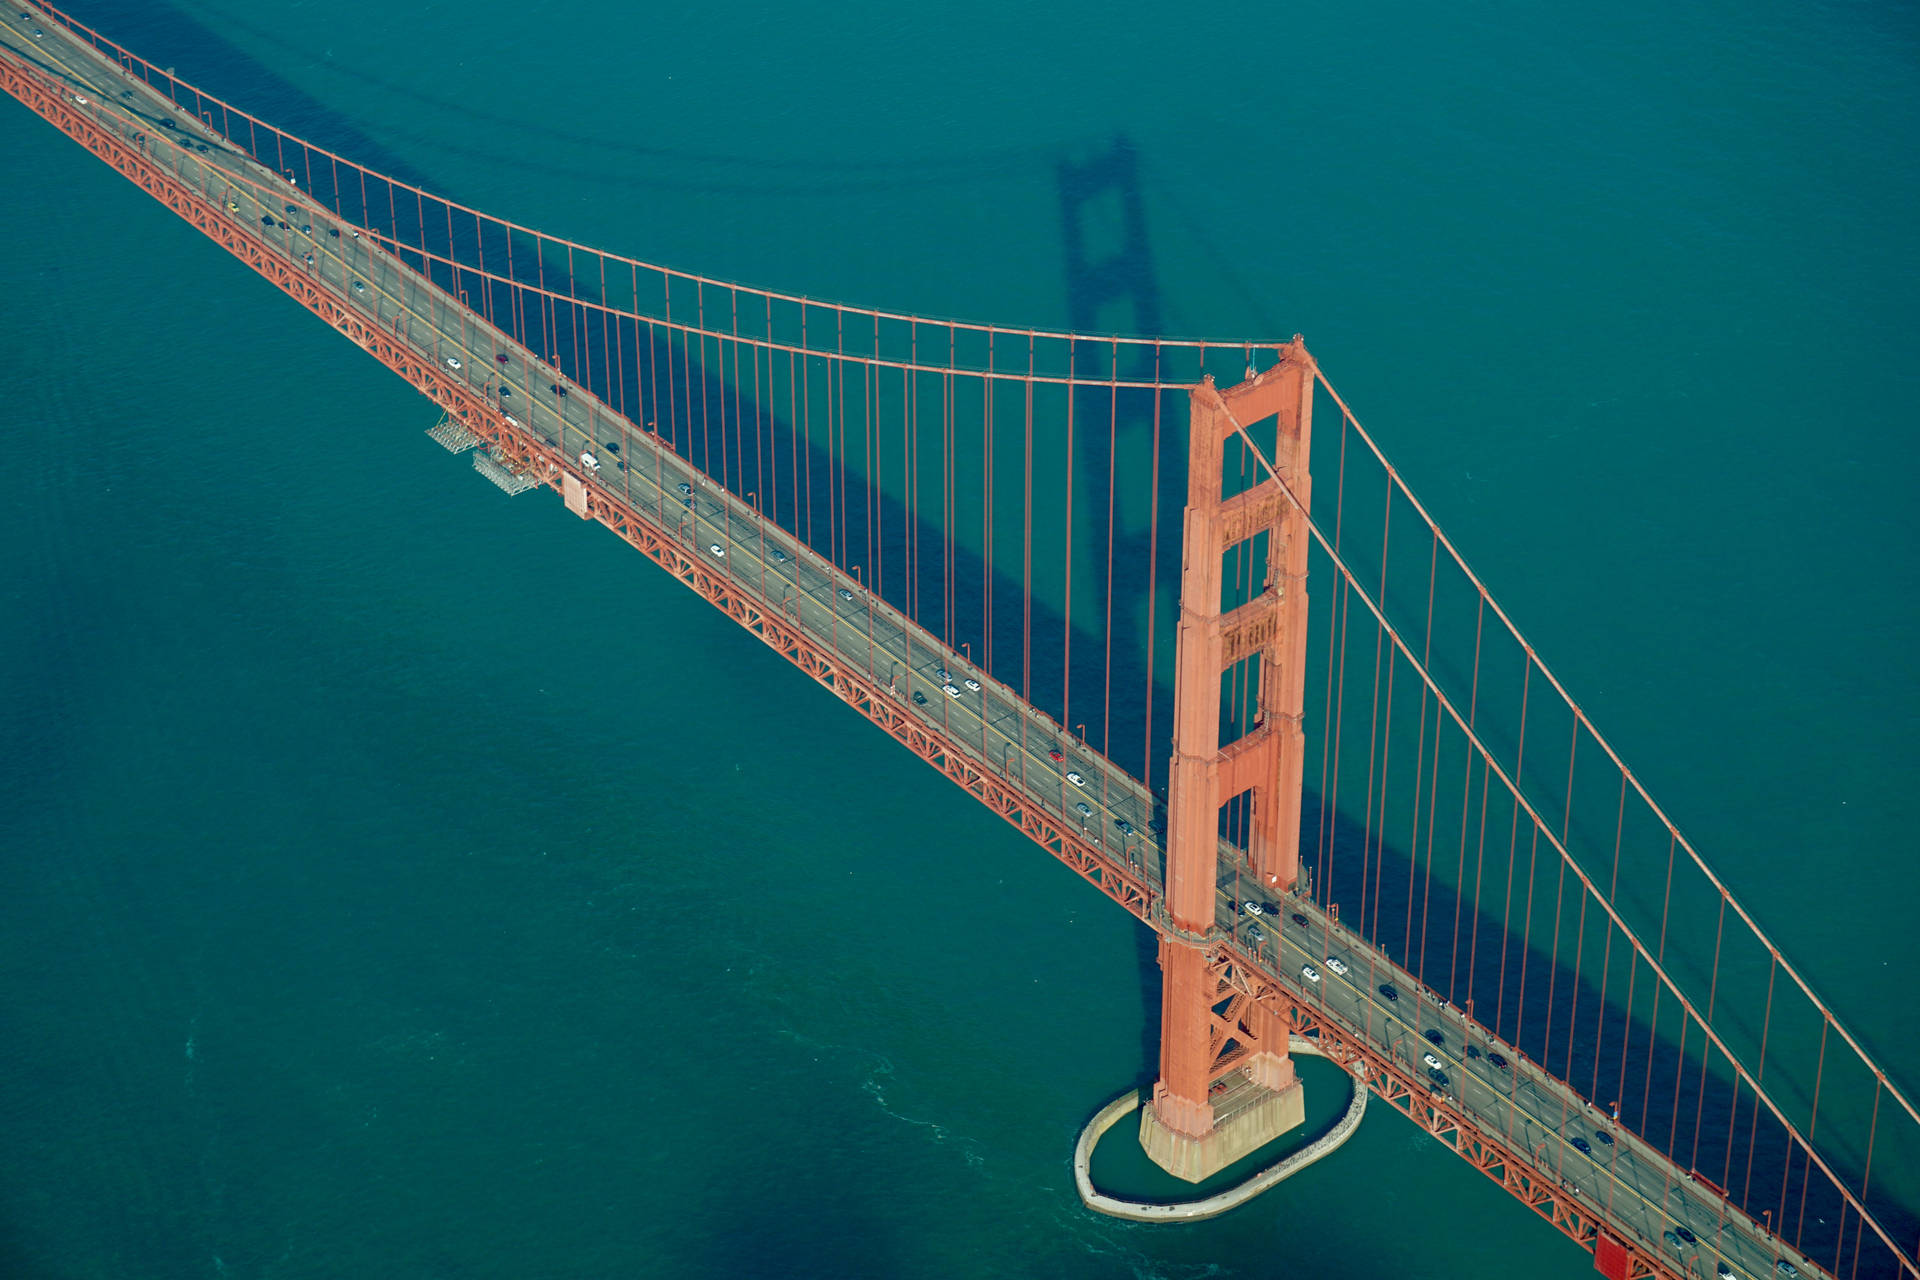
1166	608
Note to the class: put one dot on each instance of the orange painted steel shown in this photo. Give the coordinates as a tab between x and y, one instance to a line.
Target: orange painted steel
1830	1020
869	699
1543	829
155	76
1182	929
1232	972
1267	761
521	450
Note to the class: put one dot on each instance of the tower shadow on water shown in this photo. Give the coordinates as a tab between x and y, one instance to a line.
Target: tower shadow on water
1111	288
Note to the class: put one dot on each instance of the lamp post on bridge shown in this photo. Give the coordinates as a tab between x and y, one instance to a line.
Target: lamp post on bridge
869	595
761	522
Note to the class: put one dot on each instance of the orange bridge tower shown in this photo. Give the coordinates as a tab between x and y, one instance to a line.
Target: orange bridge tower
1209	1033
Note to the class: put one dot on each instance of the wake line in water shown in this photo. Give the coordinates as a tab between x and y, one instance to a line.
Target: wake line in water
971	1149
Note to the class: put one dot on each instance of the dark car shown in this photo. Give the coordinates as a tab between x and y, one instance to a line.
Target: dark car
1583	1146
1498	1060
1472	1052
611	447
1126	828
1602	1137
1299	919
1437	1036
779	556
506	393
293	208
306	228
334	232
919	698
1386	989
1686	1236
266	219
1437	1079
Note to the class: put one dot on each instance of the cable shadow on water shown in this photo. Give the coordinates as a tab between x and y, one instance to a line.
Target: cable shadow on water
204	54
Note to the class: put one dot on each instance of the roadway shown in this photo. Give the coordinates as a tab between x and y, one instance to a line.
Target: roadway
1627	1184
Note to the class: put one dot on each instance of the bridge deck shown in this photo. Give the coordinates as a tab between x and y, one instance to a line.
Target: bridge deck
1626	1185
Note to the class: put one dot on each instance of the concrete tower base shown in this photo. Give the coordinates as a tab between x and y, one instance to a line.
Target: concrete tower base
1246	1117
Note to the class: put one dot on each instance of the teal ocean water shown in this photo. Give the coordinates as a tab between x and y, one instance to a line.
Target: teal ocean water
400	880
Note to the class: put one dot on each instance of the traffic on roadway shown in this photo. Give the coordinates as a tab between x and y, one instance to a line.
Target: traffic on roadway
1628	1185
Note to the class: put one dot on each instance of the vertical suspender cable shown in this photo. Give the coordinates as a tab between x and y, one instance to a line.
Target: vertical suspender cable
1066	597
1026	556
670	411
1153	576
806	425
987	387
1106	626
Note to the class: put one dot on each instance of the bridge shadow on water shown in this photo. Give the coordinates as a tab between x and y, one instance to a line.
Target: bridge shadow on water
1553	1012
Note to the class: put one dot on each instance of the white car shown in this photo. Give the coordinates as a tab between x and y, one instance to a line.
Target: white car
973	685
1338	965
1310	973
1253	908
1432	1062
515	421
1084	809
951	690
1076	779
943	675
716	550
590	462
453	362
